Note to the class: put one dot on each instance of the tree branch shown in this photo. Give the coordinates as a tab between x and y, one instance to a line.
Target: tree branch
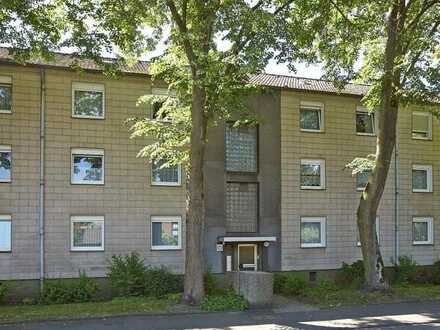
341	12
424	9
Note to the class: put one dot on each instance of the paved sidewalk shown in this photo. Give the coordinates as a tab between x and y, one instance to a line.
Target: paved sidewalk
398	316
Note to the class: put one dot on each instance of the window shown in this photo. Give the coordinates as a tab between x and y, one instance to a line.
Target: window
422	178
358	240
88	100
241	207
87	233
5	94
422	231
312	174
156	106
362	179
87	166
241	148
422	125
311	116
312	232
5	163
365	122
166	233
5	233
165	176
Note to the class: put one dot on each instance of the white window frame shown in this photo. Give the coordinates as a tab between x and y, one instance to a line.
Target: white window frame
6	80
85	218
87	152
425	114
313	105
88	87
358	243
430	222
165	183
428	169
7	218
320	162
5	148
373	116
322	221
162	219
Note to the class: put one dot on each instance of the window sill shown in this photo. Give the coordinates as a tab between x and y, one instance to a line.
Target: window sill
365	134
88	117
312	188
87	249
166	248
166	184
313	246
311	130
6	251
422	138
418	191
423	244
6	112
4	181
87	183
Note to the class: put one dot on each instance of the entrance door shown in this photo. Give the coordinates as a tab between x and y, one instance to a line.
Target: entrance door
247	257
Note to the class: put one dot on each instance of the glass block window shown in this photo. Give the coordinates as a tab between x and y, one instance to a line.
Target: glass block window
422	178
312	174
422	125
362	180
5	94
241	207
166	233
88	100
87	166
5	233
165	176
311	116
358	240
87	233
365	122
241	149
313	232
5	163
423	231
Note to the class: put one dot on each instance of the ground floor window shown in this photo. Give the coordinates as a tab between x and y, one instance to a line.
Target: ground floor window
5	233
166	232
313	232
87	233
422	230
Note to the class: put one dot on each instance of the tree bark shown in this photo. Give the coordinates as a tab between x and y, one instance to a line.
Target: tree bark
386	140
194	264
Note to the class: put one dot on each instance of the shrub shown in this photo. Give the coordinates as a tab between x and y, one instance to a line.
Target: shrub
159	282
69	291
4	288
211	284
290	284
405	270
224	302
351	274
422	276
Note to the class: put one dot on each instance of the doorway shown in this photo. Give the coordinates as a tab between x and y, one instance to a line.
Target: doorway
247	257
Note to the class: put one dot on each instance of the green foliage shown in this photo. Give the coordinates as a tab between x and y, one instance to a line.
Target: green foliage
227	301
4	288
290	284
436	272
69	291
351	274
212	286
405	270
130	277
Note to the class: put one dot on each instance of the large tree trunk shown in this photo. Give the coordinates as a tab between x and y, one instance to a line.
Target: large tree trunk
194	265
386	139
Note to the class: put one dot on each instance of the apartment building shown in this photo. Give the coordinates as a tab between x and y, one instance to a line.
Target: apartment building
278	196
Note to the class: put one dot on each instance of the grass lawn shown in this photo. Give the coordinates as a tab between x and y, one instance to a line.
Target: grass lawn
118	306
334	297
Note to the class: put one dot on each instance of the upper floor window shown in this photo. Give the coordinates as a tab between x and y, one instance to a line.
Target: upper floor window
241	148
422	178
87	166
312	174
165	176
88	100
5	94
423	232
422	125
5	233
5	163
313	232
157	112
311	116
362	179
87	233
166	233
365	122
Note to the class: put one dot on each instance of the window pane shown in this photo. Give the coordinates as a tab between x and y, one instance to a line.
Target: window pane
420	125
165	234
310	118
364	122
310	232
5	235
87	168
5	97
89	103
362	179
5	165
311	175
241	149
420	179
420	231
241	207
87	234
166	174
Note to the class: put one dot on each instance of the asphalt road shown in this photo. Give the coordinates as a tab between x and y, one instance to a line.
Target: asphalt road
424	315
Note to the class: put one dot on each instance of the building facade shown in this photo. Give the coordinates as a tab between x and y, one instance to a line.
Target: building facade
278	196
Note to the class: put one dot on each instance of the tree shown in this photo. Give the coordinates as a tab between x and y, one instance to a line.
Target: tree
397	42
211	49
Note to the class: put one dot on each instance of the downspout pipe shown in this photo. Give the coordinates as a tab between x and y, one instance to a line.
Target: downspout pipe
41	205
396	198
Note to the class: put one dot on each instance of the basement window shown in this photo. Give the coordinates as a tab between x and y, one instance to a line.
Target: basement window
311	117
422	231
87	233
166	232
5	233
312	174
5	94
422	125
313	232
241	148
5	163
365	122
87	166
422	178
165	176
88	100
